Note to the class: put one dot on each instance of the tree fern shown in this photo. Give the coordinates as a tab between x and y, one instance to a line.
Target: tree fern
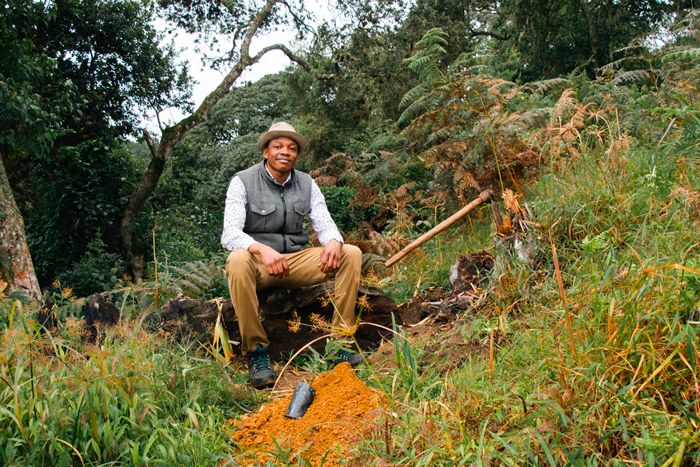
638	64
425	63
461	119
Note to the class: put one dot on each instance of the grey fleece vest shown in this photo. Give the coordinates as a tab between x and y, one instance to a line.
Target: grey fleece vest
275	213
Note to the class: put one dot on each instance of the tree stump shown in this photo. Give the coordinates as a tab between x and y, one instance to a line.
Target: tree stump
288	316
99	312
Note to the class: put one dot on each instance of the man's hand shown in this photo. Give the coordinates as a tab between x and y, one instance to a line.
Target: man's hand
275	263
330	256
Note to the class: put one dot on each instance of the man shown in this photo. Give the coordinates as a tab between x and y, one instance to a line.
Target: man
266	205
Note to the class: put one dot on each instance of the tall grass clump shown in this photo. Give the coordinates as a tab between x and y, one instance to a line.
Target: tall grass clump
136	399
626	224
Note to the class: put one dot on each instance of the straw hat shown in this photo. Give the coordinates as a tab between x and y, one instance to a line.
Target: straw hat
281	129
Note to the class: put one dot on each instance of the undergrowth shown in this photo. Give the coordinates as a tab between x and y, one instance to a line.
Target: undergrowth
588	357
597	360
134	399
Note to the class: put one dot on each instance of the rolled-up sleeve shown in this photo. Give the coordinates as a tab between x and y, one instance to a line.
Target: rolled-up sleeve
321	219
233	237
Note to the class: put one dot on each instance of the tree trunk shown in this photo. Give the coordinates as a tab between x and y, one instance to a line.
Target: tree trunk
16	267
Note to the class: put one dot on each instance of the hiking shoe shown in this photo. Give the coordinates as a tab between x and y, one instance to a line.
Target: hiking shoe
346	356
260	372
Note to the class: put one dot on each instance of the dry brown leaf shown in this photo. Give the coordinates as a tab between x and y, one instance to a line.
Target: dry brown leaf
510	200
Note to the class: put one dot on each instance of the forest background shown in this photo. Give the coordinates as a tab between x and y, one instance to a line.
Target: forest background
410	110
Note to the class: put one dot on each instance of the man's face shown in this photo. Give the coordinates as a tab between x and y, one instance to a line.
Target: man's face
281	154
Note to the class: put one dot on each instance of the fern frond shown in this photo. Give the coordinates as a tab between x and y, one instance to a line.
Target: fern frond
636	47
502	89
429	50
567	101
194	278
447	150
541	87
425	65
635	77
494	85
418	62
434	36
471	62
690	22
443	134
478	69
418	107
688	55
414	94
190	287
630	62
463	61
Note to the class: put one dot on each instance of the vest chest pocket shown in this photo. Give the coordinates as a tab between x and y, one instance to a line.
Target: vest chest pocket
296	223
262	218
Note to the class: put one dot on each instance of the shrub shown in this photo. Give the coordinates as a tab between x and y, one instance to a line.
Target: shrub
96	271
338	199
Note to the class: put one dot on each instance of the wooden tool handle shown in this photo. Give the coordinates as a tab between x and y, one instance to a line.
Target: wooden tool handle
444	225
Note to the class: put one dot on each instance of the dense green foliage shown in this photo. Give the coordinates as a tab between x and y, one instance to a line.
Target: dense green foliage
589	359
76	78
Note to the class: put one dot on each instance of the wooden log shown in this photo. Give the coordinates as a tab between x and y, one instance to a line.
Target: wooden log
442	226
187	318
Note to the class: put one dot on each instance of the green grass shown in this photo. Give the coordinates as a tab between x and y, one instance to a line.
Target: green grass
628	389
430	265
135	399
622	387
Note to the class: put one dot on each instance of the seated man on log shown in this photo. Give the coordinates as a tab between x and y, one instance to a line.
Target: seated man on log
266	205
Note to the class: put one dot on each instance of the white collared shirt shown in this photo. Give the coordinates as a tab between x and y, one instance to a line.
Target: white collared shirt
233	237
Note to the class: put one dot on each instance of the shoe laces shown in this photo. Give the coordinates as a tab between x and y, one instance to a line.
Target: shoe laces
260	360
344	355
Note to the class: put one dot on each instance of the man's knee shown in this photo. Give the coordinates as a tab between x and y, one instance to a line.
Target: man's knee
238	261
352	254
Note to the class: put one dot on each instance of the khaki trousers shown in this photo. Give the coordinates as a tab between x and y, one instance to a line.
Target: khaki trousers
246	274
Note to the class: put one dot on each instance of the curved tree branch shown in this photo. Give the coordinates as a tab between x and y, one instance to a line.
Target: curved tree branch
298	19
150	143
283	48
171	136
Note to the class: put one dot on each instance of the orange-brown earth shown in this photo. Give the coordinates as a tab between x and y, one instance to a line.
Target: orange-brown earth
342	412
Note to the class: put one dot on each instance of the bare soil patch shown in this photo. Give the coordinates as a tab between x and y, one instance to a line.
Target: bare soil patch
343	411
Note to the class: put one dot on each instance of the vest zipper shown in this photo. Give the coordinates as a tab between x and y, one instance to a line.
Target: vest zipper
284	218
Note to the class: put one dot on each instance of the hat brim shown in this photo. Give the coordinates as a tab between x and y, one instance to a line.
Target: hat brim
270	135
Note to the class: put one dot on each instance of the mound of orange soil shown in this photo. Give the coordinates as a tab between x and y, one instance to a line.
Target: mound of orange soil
341	413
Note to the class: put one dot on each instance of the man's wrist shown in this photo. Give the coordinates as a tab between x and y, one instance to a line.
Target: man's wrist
255	247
